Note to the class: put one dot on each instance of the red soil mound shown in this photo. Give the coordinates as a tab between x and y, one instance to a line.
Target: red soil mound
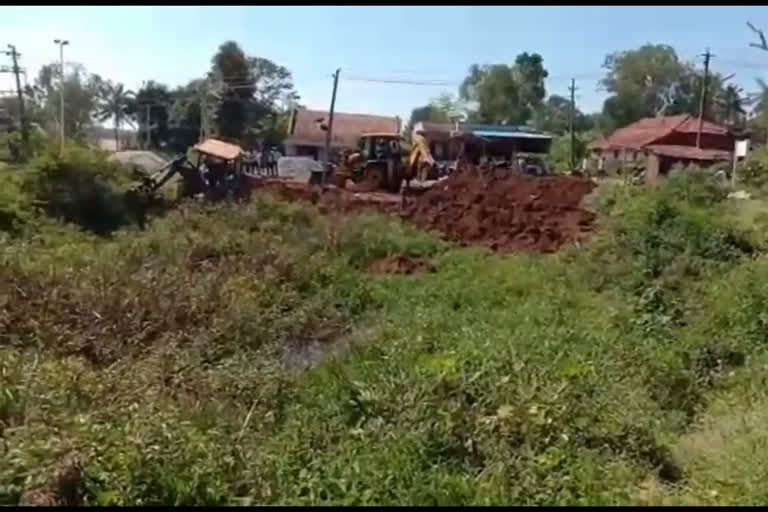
505	210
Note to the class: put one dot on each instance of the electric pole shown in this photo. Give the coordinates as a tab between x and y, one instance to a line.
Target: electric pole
148	127
22	117
571	114
62	43
203	106
703	103
329	133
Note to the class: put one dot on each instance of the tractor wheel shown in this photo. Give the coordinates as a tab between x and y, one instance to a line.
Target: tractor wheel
395	179
374	178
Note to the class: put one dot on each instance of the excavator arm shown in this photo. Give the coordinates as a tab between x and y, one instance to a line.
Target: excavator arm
421	163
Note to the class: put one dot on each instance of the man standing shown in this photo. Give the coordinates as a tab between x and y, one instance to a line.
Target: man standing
275	157
264	160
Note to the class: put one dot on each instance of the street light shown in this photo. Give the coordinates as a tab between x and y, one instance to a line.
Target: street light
61	44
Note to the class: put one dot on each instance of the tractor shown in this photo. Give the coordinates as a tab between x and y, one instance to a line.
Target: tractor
376	165
216	174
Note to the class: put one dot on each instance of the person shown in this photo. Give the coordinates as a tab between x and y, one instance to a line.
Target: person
275	157
268	157
264	160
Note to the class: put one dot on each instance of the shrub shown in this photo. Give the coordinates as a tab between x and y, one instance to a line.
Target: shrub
80	186
754	172
16	207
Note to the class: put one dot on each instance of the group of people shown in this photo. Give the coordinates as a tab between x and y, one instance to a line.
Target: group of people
262	161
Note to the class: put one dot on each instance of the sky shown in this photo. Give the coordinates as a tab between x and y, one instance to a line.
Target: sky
173	45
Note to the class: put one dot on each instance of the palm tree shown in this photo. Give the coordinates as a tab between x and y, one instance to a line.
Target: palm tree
759	100
730	103
115	104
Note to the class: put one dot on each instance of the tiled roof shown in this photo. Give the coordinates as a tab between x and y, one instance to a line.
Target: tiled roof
691	125
688	152
650	129
347	128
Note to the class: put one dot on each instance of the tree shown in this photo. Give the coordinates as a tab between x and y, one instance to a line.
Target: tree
729	106
184	117
273	97
115	104
439	110
553	116
650	74
652	81
81	91
647	82
759	102
559	157
231	75
530	75
505	94
157	99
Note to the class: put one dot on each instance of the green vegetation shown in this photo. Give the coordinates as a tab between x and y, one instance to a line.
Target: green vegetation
78	185
167	361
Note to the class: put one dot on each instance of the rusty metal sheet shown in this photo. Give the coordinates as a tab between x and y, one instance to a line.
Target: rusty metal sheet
219	149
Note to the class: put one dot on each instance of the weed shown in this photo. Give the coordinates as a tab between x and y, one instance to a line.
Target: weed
158	358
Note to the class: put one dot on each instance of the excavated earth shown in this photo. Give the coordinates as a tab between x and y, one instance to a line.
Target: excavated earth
505	210
501	209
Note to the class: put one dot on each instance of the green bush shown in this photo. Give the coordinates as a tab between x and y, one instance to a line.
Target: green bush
160	357
80	186
754	172
17	208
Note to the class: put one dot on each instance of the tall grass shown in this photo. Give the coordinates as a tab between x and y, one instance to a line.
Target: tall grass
159	358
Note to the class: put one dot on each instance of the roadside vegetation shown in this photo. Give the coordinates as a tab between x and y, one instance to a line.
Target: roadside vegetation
170	365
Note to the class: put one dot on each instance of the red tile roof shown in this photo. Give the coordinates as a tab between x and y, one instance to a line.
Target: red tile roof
347	128
650	129
688	152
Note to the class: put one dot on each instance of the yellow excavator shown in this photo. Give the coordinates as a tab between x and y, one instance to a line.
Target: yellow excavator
378	163
421	164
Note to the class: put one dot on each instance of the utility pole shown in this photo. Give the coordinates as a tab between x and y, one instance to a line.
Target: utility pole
329	133
707	55
203	106
571	114
61	44
148	126
22	117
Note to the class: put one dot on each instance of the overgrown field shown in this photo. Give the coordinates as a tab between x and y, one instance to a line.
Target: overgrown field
163	366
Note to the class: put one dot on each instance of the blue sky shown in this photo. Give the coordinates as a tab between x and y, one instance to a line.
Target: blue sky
175	44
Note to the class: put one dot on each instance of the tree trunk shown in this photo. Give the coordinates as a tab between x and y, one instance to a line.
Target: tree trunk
117	134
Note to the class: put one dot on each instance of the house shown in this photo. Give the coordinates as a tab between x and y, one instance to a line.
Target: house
657	143
306	136
448	140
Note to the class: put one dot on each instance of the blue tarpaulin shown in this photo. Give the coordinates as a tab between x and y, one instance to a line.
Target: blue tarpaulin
512	135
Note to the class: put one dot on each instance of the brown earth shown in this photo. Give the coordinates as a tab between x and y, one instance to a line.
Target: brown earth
400	264
505	210
501	209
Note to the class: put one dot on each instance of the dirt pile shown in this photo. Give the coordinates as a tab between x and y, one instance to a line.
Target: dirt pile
332	198
400	264
505	210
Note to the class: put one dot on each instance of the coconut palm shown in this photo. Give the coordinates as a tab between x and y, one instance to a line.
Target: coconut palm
116	105
759	102
730	104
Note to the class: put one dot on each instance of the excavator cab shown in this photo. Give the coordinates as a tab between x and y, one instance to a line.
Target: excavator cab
381	162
